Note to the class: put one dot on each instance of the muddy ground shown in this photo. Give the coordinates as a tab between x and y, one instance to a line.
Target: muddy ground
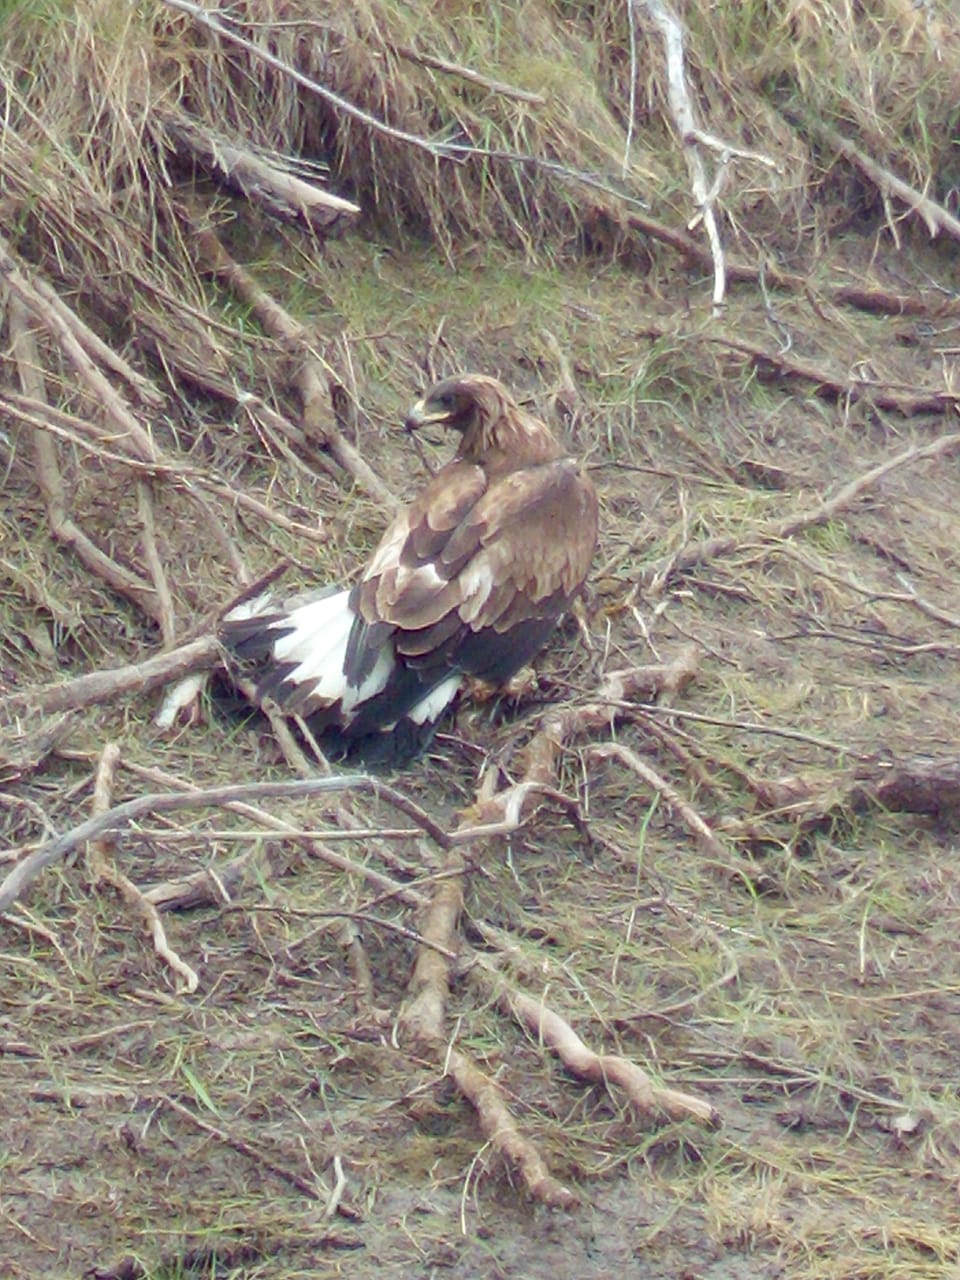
808	988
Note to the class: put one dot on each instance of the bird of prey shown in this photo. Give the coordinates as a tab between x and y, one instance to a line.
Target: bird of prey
469	580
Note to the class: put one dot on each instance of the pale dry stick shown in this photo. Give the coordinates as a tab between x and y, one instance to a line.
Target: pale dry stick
50	482
909	595
501	812
855	488
104	872
708	842
936	217
599	1068
259	178
206	18
45	418
99	387
681	107
98	350
280	1170
656	575
319	424
154	562
442	150
121	816
195	888
424	1019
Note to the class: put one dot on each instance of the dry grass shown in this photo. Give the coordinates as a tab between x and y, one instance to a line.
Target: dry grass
806	981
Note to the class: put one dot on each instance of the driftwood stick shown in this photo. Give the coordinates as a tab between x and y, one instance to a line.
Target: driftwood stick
502	812
119	818
599	1068
499	87
258	178
936	217
50	482
101	390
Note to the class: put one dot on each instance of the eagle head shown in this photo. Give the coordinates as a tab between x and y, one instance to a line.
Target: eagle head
492	425
464	403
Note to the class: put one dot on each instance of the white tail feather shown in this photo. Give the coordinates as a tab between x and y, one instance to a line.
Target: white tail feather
436	702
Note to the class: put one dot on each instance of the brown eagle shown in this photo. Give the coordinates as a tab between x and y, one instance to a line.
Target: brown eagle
469	580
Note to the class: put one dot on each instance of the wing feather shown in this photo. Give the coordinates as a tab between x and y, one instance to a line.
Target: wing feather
470	558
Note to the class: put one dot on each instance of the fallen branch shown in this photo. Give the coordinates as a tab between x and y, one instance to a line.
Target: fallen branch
598	1068
498	87
119	818
320	426
424	1019
506	810
102	686
63	528
684	116
258	178
936	217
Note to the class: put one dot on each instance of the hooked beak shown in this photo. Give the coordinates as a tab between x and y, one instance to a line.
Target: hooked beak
419	416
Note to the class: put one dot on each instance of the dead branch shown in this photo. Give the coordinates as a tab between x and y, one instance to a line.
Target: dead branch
848	494
256	177
103	871
50	482
142	388
493	815
684	117
598	1068
154	561
206	19
921	784
102	686
934	215
826	386
119	818
62	325
320	425
87	436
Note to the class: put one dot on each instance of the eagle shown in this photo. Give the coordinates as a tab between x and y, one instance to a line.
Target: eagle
469	580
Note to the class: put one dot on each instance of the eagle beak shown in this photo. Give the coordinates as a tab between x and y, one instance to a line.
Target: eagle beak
415	418
420	416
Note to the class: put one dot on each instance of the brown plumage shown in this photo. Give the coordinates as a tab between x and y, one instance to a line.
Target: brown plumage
469	580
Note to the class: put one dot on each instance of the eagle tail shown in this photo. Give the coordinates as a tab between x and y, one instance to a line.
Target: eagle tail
297	653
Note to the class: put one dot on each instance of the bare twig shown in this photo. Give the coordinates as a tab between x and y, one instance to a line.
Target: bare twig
599	1068
319	423
780	530
259	178
498	87
50	482
104	872
681	107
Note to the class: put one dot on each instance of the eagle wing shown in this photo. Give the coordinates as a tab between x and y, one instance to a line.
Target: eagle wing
474	575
